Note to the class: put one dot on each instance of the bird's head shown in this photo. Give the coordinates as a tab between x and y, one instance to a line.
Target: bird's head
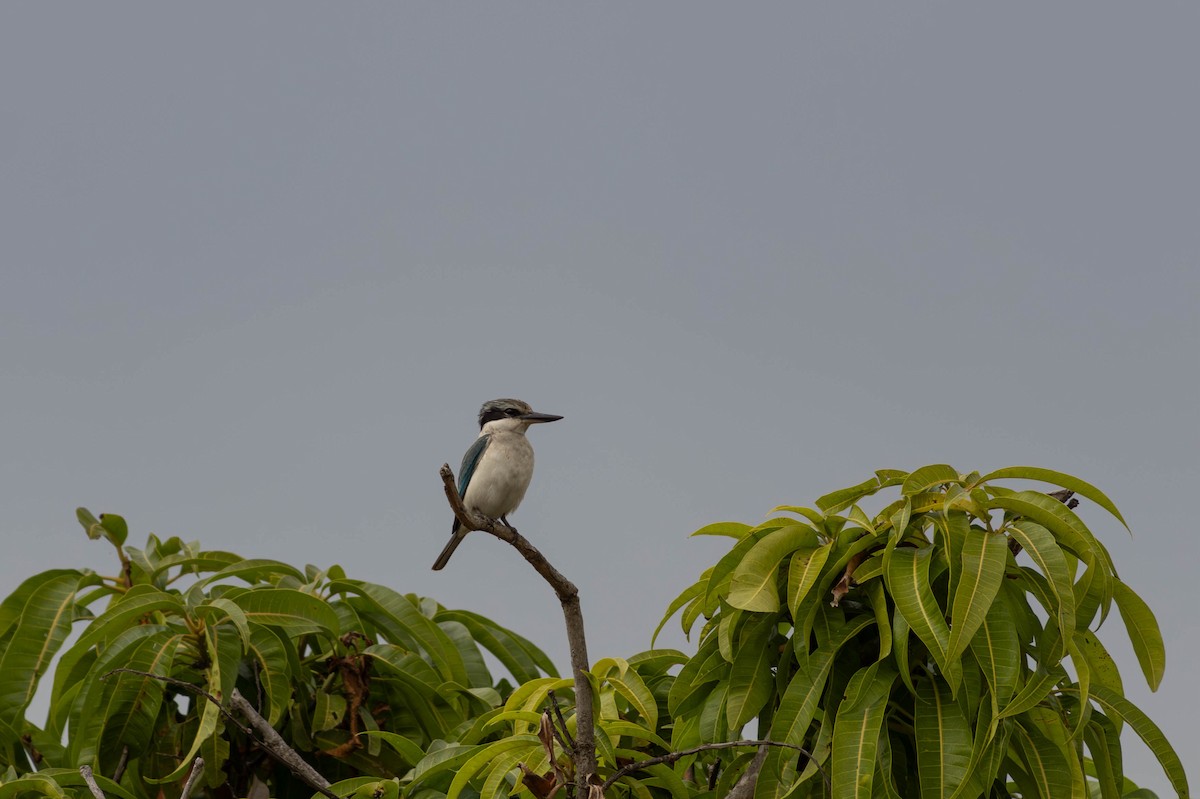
511	414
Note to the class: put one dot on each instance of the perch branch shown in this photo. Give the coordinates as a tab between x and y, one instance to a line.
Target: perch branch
673	756
568	595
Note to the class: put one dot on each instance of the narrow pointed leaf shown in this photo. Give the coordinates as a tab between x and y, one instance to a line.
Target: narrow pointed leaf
43	624
983	559
755	584
907	576
856	731
803	573
1040	545
1143	631
943	740
1080	487
928	477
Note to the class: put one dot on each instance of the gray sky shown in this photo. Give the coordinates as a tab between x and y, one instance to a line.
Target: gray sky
262	263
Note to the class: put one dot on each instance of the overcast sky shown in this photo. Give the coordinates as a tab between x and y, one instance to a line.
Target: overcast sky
263	262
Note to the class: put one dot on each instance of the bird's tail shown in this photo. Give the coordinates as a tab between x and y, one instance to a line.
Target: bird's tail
444	558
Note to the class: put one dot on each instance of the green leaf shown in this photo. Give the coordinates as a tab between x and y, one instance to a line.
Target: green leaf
856	731
1103	741
1068	528
729	529
907	575
71	778
210	716
1080	487
719	580
845	497
293	611
254	571
1143	631
618	728
523	660
755	584
694	591
997	649
751	681
1103	667
220	607
1046	764
37	784
1037	687
484	755
983	558
275	674
114	528
928	477
137	602
798	705
130	713
1040	545
803	573
943	740
630	685
46	609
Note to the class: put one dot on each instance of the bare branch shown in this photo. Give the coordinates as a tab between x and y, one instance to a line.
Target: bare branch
744	787
193	775
278	748
673	756
569	743
119	771
90	779
584	751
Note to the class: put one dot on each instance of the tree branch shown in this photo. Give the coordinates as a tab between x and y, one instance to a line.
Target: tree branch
193	775
673	756
278	748
568	595
90	779
270	741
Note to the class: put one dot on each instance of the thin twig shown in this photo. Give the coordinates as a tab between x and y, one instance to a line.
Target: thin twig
119	771
673	756
569	743
193	775
584	750
90	779
187	686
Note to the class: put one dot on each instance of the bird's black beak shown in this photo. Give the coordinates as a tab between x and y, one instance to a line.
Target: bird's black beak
540	418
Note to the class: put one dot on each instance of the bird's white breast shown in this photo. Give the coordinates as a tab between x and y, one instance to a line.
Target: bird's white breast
502	475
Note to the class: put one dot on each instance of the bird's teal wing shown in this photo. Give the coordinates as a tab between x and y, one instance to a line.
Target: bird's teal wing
465	471
469	462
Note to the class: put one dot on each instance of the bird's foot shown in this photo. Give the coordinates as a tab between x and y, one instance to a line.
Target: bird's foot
507	523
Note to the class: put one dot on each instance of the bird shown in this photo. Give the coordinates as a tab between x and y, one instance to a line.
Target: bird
497	468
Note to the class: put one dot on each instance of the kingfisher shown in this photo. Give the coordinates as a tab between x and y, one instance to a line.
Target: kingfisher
497	468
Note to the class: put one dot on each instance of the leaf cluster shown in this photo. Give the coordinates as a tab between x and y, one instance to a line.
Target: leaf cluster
358	678
941	645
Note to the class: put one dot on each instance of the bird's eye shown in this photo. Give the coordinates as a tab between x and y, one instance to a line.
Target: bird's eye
512	412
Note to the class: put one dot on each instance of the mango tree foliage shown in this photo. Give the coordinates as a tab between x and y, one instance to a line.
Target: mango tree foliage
938	641
940	644
360	679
